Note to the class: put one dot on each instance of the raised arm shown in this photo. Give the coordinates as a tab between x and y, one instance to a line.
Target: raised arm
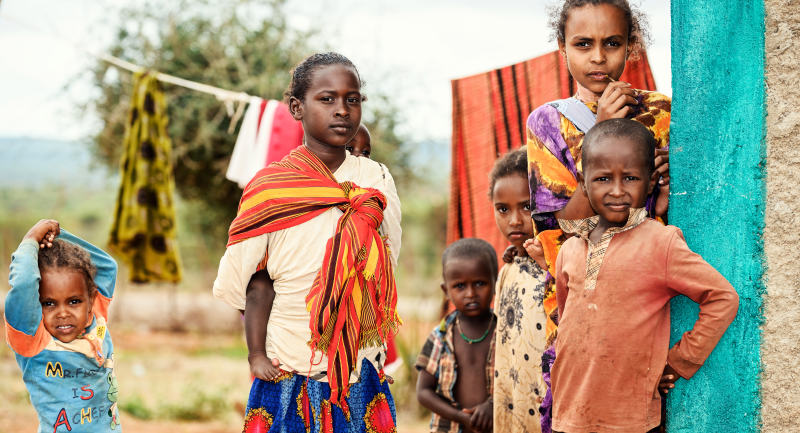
25	332
106	266
688	274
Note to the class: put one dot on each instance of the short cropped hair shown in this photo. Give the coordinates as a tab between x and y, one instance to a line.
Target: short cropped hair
68	256
621	128
472	248
303	73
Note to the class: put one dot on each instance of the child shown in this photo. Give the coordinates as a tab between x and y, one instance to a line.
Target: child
56	313
306	262
455	370
614	283
361	144
518	385
596	37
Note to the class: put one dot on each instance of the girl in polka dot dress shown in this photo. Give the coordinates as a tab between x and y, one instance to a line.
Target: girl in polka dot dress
520	337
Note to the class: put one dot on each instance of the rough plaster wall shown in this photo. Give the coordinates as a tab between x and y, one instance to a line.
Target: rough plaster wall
717	153
781	335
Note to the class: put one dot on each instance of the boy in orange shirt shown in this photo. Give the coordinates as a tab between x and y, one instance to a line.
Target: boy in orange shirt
615	279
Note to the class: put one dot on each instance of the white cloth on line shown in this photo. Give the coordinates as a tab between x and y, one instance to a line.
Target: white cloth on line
250	151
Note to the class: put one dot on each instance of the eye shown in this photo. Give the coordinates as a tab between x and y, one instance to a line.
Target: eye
601	179
458	285
354	100
480	283
502	208
74	301
326	99
582	44
613	43
631	178
48	303
349	148
527	206
365	153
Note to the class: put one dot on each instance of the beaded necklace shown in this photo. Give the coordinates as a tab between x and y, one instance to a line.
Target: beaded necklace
474	340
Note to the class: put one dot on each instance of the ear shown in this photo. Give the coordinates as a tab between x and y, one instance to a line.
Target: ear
562	48
581	181
444	290
296	108
652	184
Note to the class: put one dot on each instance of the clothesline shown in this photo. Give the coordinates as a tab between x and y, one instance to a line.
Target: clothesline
228	97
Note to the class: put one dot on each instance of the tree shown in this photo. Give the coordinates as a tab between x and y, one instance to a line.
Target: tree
243	46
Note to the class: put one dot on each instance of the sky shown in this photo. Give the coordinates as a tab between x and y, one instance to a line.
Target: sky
409	50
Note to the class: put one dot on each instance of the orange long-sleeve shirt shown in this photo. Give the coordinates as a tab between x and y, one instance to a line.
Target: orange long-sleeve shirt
613	340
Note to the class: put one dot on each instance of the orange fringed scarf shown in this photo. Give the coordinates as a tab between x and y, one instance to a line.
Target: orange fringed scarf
353	299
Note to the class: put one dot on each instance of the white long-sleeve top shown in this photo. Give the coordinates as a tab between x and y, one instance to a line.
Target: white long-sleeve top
295	257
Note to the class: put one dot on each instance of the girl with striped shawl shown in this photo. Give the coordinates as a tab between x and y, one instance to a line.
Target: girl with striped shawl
310	260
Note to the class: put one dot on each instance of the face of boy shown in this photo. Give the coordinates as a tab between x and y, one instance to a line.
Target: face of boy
361	145
616	179
595	46
66	304
469	285
512	209
331	110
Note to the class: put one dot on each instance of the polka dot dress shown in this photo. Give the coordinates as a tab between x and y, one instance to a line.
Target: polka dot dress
518	385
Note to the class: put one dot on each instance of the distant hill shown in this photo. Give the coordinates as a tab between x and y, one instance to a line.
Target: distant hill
37	162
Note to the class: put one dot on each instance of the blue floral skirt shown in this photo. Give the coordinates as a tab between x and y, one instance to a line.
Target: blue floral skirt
291	403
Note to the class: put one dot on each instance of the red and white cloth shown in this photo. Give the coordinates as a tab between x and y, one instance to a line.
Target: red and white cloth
268	133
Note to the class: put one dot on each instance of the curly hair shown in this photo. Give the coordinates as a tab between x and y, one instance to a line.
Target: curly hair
514	162
638	32
66	255
303	73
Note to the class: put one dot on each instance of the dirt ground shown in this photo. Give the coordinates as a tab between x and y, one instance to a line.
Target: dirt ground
179	383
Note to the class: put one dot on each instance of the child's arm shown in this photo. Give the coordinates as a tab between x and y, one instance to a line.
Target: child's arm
688	274
25	332
661	175
426	395
562	281
258	307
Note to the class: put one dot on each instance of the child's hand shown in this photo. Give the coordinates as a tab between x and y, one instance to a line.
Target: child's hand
662	166
509	254
44	232
661	175
615	101
535	251
481	416
668	379
262	367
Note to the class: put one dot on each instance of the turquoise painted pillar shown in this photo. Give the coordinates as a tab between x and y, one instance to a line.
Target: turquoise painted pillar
717	155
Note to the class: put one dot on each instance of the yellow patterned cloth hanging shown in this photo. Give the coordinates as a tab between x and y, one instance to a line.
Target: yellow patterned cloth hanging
143	231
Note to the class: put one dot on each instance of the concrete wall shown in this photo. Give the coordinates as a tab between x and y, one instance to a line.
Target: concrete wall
781	335
717	155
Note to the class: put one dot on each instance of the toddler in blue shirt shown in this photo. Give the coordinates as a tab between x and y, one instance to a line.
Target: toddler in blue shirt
55	320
